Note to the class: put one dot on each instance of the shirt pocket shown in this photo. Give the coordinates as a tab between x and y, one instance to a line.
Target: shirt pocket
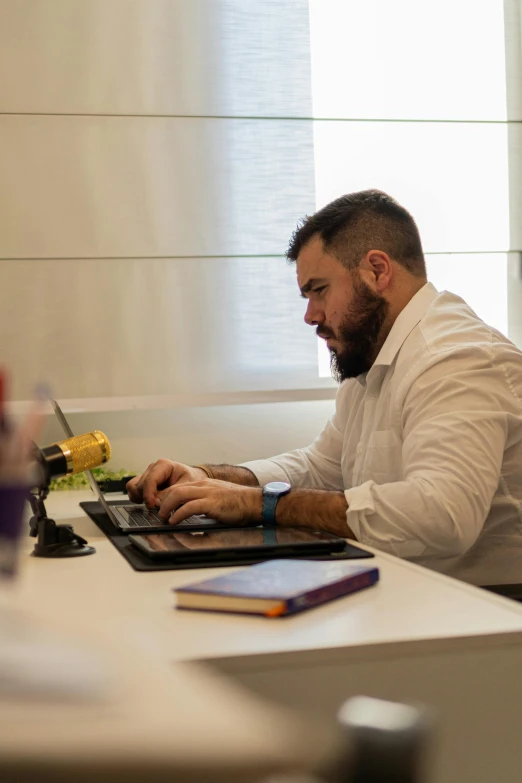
382	460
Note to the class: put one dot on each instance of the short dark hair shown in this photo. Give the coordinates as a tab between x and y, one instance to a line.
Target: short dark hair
357	222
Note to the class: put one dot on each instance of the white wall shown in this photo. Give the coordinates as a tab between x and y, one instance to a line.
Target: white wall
140	210
230	434
150	177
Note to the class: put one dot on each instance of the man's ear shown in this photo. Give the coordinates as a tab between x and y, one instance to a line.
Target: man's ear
378	266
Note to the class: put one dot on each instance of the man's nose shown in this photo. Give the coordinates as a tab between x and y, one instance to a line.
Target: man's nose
313	315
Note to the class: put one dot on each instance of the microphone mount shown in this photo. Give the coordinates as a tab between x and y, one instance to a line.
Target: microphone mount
53	540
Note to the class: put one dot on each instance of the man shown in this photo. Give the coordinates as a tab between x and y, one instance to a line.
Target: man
423	456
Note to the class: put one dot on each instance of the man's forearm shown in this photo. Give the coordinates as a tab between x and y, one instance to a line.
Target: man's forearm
233	473
317	508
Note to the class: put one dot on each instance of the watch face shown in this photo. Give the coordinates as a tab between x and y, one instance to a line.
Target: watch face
276	487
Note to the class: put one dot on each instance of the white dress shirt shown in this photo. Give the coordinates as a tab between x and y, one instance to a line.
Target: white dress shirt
427	445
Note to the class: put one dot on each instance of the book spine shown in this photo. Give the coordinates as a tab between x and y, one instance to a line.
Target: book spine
329	592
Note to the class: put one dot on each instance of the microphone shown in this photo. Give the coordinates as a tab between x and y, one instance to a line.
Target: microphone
74	455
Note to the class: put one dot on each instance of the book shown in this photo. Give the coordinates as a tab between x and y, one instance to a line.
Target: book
277	587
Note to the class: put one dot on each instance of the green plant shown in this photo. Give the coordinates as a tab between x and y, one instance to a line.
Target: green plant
79	480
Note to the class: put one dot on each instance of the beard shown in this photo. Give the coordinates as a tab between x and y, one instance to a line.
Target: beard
359	333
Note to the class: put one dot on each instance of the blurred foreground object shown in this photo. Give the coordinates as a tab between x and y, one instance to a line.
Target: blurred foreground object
39	665
12	504
385	742
379	742
153	720
16	456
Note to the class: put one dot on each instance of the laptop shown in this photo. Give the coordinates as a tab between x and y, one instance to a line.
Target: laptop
133	517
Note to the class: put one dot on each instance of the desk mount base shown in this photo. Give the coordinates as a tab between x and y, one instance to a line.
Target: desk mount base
54	540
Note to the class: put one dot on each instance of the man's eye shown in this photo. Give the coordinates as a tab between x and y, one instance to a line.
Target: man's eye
319	289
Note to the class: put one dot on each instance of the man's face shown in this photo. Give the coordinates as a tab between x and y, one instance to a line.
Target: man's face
348	314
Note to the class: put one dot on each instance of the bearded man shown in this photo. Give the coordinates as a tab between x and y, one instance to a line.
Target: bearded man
423	456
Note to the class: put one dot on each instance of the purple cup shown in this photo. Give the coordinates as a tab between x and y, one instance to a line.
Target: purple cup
12	506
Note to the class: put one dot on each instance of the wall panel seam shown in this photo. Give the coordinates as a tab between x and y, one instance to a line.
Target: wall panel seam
231	256
268	118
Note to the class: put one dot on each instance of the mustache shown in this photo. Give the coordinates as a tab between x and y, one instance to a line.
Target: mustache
324	332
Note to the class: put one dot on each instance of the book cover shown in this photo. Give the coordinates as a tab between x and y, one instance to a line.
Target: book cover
277	587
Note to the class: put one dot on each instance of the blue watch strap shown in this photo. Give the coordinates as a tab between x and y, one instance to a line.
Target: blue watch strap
269	536
269	508
271	494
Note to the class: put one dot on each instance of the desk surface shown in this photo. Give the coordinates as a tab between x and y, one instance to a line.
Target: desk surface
413	621
410	606
145	714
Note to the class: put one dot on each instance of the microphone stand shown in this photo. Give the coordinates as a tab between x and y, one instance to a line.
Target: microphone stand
53	540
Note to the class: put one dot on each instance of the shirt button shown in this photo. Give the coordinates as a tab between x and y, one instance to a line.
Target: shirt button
358	450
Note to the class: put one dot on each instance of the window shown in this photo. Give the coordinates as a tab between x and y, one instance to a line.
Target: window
411	98
156	157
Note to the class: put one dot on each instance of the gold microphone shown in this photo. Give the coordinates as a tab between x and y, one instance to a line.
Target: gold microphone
75	455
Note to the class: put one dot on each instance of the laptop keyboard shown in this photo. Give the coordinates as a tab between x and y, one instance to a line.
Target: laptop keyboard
143	518
139	518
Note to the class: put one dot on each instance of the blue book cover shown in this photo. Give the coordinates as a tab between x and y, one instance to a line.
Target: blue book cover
277	587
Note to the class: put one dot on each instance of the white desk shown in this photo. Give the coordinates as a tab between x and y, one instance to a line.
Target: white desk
415	636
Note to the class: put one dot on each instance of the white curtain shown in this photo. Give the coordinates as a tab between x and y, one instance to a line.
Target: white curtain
147	196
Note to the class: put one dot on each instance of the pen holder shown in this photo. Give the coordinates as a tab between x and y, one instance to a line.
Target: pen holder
12	505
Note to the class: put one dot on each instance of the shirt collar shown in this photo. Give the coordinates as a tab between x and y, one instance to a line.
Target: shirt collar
405	322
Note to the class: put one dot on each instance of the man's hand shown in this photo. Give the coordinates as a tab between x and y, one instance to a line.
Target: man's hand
150	486
222	500
181	490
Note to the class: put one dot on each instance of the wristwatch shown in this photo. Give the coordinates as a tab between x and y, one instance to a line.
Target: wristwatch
271	494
